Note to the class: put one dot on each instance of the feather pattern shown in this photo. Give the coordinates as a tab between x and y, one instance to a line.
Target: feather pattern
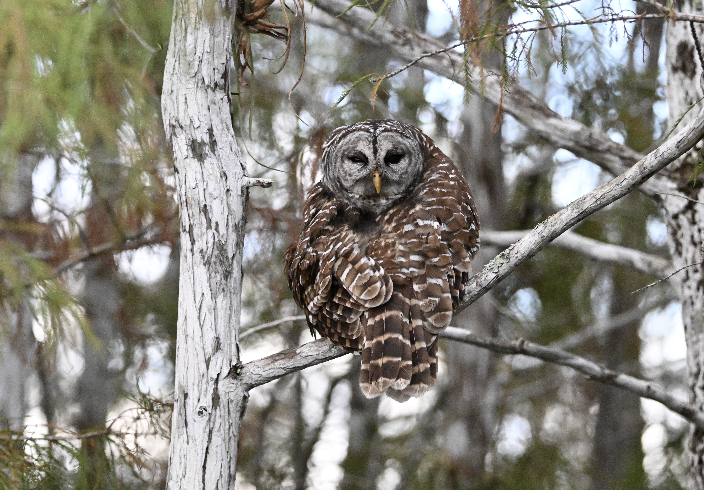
385	280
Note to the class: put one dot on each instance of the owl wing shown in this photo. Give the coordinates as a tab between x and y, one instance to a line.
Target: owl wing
330	276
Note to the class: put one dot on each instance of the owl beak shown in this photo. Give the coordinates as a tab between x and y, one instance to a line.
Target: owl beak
377	180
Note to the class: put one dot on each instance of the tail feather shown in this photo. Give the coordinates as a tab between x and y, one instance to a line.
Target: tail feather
386	349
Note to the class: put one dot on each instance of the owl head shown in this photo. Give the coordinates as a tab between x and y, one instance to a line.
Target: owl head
373	164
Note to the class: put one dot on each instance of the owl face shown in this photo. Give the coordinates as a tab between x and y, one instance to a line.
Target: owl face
373	164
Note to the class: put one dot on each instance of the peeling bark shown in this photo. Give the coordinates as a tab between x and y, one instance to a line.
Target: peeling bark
212	197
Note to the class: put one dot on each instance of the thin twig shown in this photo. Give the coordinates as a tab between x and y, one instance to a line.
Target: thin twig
680	196
562	132
252	330
141	237
514	30
667	277
141	41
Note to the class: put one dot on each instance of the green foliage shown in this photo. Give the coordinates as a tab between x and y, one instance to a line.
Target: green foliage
80	83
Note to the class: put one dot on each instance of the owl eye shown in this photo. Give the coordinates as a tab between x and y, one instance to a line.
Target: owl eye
393	157
358	157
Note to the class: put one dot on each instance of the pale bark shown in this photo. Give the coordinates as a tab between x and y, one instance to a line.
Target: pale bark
685	217
212	196
578	210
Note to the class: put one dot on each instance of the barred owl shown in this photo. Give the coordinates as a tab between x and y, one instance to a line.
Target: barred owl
387	240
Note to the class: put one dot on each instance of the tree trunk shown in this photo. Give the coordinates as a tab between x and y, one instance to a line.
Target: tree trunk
685	214
617	452
17	343
98	385
210	178
472	394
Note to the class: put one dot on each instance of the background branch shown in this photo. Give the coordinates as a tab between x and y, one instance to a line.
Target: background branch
264	370
562	132
605	252
504	263
591	369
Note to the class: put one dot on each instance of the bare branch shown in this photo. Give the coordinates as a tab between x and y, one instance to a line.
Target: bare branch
605	252
270	368
504	263
68	436
594	371
288	361
598	329
252	330
562	132
273	367
144	236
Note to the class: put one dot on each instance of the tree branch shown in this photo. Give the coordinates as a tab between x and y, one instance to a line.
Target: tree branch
605	252
149	235
258	328
591	369
262	371
288	361
562	132
273	367
504	263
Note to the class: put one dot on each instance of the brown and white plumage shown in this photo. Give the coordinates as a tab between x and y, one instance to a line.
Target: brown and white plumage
387	240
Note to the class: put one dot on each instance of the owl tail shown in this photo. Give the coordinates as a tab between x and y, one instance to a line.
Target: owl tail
387	347
424	359
399	357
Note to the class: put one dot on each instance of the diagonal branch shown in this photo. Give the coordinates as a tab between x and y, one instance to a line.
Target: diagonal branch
605	252
562	132
504	263
273	367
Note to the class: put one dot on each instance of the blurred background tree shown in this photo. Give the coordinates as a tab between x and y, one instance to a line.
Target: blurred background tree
89	252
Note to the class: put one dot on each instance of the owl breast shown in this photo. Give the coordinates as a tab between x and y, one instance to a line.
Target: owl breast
385	281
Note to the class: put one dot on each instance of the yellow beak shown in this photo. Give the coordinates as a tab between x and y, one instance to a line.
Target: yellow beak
377	181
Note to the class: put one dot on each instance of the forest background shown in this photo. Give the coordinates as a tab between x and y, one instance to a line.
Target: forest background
89	242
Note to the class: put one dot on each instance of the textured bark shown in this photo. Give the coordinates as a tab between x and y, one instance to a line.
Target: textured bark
685	218
212	195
